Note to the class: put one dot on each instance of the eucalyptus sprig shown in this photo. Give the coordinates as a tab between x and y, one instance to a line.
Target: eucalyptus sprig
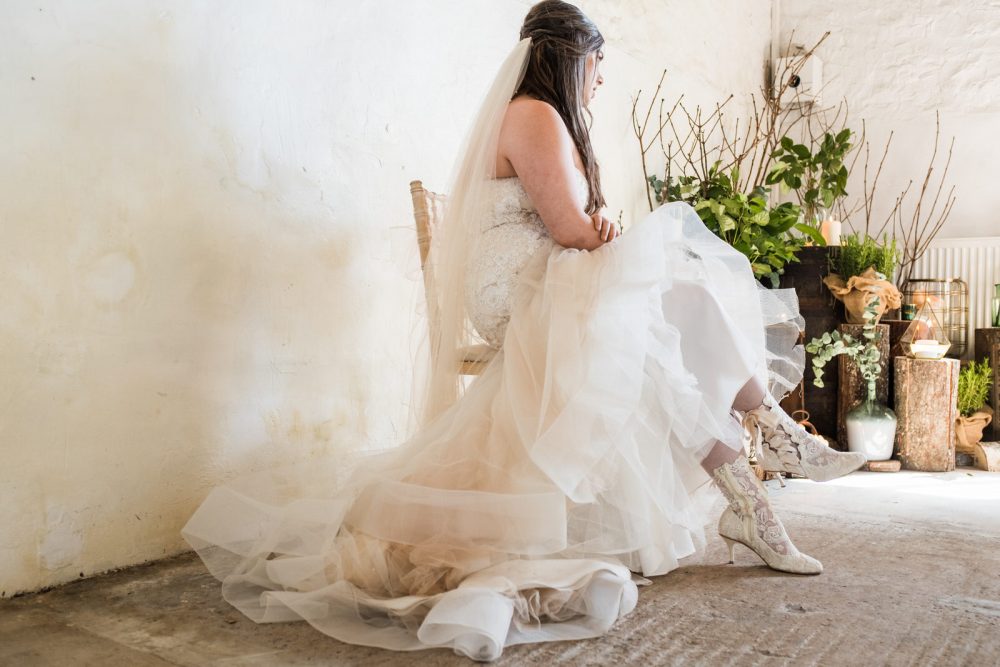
863	351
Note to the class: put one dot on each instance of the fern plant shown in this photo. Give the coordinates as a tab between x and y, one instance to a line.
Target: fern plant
863	351
974	387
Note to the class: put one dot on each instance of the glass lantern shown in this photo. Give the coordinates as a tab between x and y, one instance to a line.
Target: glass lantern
925	338
950	299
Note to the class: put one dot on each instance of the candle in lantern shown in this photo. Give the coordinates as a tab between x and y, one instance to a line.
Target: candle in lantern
928	348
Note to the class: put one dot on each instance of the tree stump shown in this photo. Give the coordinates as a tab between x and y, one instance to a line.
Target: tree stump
988	456
988	347
926	407
852	387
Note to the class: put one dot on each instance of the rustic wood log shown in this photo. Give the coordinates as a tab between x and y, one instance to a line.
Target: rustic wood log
926	407
822	313
988	347
852	387
988	456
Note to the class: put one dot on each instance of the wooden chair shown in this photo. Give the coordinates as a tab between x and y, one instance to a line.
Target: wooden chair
428	208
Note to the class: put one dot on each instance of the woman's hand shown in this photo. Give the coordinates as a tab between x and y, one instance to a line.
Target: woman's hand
607	230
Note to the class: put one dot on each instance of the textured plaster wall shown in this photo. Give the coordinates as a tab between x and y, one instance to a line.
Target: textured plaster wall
899	61
203	214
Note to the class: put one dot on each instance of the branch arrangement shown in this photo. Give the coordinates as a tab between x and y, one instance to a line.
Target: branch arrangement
702	157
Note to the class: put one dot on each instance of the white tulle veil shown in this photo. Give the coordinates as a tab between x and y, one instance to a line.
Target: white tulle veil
453	241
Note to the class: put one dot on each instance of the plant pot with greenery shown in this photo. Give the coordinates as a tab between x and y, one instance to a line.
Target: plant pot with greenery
974	415
861	272
871	426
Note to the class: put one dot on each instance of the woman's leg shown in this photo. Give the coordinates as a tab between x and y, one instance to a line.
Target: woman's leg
750	396
719	454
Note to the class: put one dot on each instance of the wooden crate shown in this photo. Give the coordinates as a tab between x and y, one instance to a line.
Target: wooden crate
896	330
852	387
927	407
822	313
988	347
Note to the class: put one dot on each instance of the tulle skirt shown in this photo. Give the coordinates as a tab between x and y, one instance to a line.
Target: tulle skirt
525	512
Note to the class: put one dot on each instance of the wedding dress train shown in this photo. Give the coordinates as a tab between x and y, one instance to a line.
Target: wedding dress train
521	513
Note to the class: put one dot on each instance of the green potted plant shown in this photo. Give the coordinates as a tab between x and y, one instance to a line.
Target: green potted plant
819	179
973	414
871	426
860	271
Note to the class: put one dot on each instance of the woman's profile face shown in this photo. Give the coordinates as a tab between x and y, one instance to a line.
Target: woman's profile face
592	75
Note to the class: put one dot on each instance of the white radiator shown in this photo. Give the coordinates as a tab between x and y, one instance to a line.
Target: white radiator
974	260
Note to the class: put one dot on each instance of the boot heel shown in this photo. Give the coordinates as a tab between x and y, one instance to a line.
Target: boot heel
732	548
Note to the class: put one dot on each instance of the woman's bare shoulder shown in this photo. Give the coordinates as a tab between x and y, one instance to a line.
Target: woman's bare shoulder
530	119
529	106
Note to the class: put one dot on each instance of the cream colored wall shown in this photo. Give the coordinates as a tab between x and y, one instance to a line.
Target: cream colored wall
203	207
898	62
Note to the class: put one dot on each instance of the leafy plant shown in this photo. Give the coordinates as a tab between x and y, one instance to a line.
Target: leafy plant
818	179
863	351
745	221
859	252
973	387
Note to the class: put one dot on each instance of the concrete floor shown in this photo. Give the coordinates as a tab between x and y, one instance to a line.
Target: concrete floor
912	578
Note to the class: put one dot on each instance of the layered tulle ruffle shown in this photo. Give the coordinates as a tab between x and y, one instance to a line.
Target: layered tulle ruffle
520	513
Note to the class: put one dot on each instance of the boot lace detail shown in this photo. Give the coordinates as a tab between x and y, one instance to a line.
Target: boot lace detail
788	441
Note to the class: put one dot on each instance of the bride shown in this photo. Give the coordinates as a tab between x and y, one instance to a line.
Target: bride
624	370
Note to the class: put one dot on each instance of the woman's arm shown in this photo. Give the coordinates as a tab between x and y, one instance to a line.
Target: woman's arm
536	143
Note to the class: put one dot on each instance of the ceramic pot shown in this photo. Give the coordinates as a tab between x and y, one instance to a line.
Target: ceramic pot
871	430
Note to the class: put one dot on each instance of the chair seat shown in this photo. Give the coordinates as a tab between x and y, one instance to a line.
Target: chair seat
475	358
428	207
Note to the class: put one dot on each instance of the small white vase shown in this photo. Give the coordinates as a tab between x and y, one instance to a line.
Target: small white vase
871	430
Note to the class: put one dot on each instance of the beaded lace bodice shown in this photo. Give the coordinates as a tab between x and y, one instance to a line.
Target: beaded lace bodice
511	234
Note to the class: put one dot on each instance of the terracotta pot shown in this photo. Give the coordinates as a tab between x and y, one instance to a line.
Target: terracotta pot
969	430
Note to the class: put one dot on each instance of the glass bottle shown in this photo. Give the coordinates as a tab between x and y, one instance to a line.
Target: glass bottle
996	305
871	429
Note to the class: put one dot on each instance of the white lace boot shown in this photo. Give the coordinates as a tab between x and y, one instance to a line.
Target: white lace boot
783	445
750	521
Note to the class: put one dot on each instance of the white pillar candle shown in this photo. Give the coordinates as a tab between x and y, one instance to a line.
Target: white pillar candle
830	229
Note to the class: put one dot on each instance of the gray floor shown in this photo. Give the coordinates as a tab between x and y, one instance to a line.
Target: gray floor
912	578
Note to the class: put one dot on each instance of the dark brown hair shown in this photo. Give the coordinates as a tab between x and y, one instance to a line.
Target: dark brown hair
561	38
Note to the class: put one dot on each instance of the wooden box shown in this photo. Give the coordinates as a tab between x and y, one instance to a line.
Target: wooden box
896	330
988	347
822	313
926	407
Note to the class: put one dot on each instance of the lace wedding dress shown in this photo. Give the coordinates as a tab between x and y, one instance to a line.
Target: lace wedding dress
521	513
